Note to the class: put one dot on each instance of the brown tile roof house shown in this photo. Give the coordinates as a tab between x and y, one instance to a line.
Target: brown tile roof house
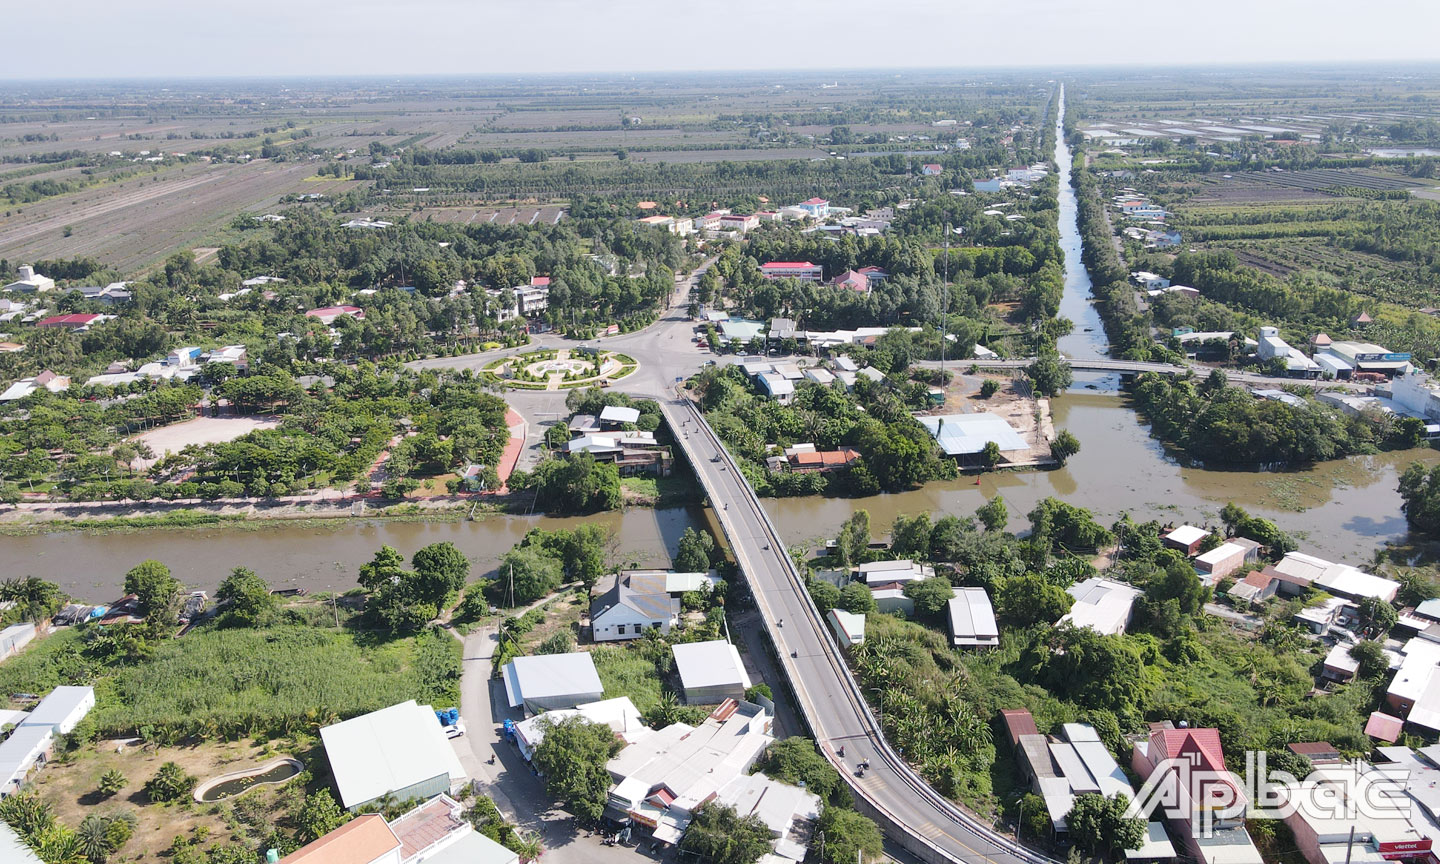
359	841
1018	721
823	460
1318	752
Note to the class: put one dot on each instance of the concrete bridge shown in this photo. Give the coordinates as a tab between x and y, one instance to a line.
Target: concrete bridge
910	812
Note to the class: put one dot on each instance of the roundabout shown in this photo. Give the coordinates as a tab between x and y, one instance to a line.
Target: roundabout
560	369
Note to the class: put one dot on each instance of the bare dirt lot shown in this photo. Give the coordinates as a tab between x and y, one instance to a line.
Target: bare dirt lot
134	224
71	788
201	430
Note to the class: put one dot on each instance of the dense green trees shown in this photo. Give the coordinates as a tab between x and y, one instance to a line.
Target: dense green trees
526	574
993	514
1420	490
169	783
795	760
720	835
572	483
1057	524
695	553
896	451
1049	374
572	757
1099	824
245	597
318	816
155	590
849	837
931	596
1030	599
407	599
34	599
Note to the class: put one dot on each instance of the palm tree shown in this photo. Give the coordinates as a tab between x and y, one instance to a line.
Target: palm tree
528	846
93	835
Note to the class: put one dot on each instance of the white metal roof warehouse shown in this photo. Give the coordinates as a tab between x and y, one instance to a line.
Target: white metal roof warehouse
967	434
710	672
550	681
400	749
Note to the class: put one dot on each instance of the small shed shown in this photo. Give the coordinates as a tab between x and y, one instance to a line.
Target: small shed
1186	538
972	619
615	416
710	672
1384	727
1318	752
849	628
400	750
1220	561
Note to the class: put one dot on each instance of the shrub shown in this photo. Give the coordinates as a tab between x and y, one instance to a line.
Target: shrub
169	783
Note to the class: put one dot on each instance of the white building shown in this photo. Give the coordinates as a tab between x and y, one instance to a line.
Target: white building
1414	391
15	637
1272	347
849	627
13	850
60	711
1149	281
710	672
788	811
1101	604
662	779
815	208
636	602
972	619
27	748
400	750
531	299
27	281
965	435
1342	580
882	572
549	681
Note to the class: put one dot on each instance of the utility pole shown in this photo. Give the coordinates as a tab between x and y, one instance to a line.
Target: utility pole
1349	844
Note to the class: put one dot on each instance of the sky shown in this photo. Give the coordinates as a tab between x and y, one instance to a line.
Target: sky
183	38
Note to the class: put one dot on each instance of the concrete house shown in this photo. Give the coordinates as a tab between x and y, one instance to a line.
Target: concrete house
637	601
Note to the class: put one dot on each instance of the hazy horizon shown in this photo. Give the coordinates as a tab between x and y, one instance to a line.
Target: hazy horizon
453	38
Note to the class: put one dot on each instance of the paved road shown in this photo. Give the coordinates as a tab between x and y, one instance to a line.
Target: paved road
914	814
516	790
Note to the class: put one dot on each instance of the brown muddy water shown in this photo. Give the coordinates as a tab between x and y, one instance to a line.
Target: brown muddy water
1344	509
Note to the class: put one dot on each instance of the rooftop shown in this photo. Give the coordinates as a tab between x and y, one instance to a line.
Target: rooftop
549	676
966	434
362	839
1186	535
709	664
387	750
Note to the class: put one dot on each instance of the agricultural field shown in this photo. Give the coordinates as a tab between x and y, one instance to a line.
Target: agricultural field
130	173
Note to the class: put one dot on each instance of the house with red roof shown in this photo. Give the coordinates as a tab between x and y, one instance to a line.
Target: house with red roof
328	314
540	281
852	280
816	208
76	321
802	270
1189	786
931	170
